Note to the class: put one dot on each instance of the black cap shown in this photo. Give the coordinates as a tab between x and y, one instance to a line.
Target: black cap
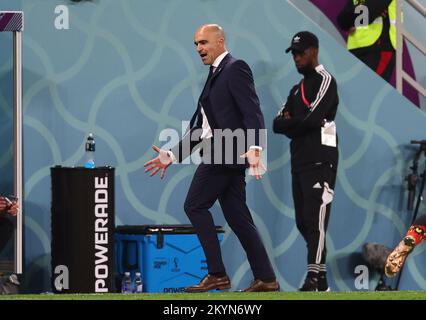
302	41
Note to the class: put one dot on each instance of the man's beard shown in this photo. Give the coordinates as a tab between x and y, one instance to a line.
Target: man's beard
304	70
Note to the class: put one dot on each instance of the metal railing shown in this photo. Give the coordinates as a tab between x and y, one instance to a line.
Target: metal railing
14	21
402	34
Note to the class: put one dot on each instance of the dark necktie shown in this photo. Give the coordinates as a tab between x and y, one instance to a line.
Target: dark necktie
198	111
211	72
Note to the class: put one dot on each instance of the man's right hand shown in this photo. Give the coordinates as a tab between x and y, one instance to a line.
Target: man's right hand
161	162
11	207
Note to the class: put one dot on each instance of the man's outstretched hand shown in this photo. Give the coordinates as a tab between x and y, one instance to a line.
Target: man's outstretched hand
160	162
257	168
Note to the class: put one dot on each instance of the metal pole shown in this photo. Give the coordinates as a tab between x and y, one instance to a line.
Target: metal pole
18	168
408	36
399	46
416	209
420	89
418	7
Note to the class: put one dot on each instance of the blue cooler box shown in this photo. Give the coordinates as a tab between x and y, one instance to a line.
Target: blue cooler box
169	257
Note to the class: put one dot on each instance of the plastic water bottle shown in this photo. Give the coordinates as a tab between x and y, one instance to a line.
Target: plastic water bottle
126	283
90	152
138	285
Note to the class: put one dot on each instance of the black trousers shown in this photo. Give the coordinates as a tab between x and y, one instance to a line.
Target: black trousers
421	220
380	61
217	182
313	191
6	231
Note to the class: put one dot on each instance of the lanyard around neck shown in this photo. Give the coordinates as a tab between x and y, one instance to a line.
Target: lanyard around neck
302	89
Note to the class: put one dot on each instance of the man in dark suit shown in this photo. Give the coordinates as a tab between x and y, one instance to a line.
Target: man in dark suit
228	126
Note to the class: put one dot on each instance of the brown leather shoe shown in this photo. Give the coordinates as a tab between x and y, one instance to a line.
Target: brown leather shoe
210	282
260	286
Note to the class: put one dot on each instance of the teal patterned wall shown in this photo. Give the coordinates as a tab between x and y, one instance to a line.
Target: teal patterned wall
127	69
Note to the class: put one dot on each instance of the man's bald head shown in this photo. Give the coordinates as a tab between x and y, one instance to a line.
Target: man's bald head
214	28
210	42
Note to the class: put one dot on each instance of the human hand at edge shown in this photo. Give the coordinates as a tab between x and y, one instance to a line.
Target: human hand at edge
11	207
257	168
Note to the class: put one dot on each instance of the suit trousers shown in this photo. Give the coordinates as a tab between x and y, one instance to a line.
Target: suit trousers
218	182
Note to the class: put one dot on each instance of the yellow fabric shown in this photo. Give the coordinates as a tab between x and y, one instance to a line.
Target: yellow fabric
392	20
367	36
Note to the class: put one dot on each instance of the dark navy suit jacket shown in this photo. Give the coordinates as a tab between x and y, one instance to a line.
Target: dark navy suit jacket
230	103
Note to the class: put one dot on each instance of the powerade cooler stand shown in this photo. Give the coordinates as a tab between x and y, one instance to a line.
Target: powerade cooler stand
82	229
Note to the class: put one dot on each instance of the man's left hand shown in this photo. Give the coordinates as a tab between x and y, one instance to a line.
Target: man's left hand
257	168
11	207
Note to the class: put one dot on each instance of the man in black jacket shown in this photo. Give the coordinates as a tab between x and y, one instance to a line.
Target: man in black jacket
307	118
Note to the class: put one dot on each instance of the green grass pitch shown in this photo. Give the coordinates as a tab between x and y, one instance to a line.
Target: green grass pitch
358	295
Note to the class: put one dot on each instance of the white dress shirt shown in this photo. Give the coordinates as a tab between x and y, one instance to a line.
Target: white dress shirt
207	130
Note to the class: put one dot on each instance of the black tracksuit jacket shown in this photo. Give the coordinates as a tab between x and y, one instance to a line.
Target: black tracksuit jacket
304	127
